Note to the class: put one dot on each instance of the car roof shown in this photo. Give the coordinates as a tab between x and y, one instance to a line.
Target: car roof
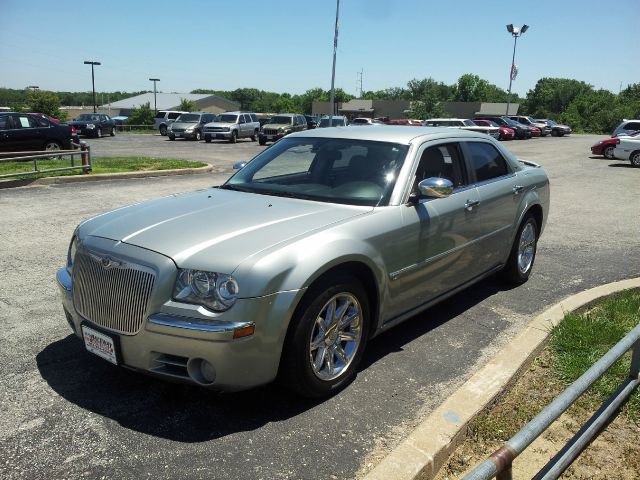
389	133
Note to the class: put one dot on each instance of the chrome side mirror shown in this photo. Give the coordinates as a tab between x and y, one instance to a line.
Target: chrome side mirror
435	187
239	165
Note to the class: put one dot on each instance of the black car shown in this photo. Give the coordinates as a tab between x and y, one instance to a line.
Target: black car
94	125
522	131
27	132
312	121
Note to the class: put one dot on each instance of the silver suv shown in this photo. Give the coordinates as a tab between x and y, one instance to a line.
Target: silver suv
164	118
232	126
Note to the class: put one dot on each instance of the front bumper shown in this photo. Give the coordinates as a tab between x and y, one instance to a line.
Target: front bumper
273	137
217	135
176	338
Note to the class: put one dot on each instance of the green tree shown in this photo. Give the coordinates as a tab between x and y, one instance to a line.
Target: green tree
45	102
552	96
470	88
141	116
187	105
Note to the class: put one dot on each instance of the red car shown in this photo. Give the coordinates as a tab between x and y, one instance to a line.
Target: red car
535	131
605	147
48	117
505	133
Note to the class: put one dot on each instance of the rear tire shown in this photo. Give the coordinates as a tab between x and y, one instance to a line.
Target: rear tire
254	136
326	338
163	130
634	159
523	252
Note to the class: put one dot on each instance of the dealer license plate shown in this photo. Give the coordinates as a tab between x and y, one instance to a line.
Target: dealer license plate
269	137
100	344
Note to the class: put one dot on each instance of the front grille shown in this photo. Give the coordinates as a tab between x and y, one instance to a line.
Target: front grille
177	130
216	129
114	297
270	131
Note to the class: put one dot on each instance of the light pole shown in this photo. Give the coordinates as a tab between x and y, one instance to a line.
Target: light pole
515	32
93	82
155	104
333	70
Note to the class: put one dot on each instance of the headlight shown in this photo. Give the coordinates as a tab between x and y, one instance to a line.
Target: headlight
71	254
91	126
281	130
216	291
190	129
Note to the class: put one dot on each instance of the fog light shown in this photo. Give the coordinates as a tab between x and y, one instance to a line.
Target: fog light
201	371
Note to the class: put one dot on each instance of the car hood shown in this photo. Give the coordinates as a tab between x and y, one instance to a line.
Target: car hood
183	124
276	125
220	124
215	229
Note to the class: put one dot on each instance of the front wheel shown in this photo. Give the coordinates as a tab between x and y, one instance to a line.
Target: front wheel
172	137
608	152
326	338
635	159
99	133
163	130
198	135
523	253
254	136
113	131
234	137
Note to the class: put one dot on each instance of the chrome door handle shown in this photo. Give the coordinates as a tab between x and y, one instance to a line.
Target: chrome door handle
517	189
469	204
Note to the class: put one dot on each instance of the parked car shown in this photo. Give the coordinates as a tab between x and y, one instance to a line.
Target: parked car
535	131
164	118
506	133
543	127
365	121
189	125
94	125
281	125
312	121
523	132
48	117
120	119
28	132
605	147
404	121
463	124
626	127
318	244
628	148
232	126
557	129
335	121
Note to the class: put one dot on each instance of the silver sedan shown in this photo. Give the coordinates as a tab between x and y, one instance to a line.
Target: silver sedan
321	242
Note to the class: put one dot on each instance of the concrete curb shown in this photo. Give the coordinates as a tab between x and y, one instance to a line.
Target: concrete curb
427	448
109	176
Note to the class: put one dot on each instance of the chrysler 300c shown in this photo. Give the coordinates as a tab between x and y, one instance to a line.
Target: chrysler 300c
319	243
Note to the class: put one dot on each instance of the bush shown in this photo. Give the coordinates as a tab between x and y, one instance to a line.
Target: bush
141	116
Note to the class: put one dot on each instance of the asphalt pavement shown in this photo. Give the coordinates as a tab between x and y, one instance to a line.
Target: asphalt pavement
66	414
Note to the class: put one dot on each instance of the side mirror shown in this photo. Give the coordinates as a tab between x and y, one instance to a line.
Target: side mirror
435	187
239	165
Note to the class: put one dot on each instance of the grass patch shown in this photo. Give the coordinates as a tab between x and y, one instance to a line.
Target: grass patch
582	338
100	165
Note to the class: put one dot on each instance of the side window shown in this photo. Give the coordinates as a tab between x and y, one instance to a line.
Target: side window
173	115
254	117
40	122
442	161
632	126
241	119
247	118
486	161
22	121
4	125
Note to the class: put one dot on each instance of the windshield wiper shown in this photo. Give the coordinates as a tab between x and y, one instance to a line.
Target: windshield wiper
236	188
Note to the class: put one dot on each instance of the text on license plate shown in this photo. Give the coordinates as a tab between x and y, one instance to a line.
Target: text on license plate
99	344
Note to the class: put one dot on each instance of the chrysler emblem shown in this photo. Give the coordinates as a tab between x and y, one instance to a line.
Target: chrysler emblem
107	262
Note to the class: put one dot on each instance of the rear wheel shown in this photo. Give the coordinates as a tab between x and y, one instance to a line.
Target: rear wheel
326	338
608	152
554	133
254	136
163	130
635	159
523	253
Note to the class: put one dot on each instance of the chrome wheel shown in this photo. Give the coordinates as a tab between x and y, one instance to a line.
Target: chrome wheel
335	336
526	248
52	146
635	159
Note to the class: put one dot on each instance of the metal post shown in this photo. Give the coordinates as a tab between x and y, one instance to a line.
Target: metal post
333	70
155	103
513	59
84	156
634	371
93	83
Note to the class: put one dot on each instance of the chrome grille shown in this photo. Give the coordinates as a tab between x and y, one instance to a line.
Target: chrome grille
270	131
216	129
114	297
177	130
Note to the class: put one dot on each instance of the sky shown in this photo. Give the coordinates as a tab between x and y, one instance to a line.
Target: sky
287	45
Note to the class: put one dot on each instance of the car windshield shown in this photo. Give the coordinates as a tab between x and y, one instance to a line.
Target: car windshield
280	120
359	121
89	117
334	170
335	122
188	118
512	123
551	123
226	118
469	123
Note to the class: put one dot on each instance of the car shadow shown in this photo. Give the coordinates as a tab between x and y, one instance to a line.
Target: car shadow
191	414
621	165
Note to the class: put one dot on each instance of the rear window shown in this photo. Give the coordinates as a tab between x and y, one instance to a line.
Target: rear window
173	115
160	114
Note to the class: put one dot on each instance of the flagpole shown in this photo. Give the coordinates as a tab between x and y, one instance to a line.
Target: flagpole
513	60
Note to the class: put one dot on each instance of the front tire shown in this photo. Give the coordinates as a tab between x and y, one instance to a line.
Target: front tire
635	159
326	338
163	130
99	133
198	136
234	137
523	252
608	152
262	141
113	131
254	136
171	136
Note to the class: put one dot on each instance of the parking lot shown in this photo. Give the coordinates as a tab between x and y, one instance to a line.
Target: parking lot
67	414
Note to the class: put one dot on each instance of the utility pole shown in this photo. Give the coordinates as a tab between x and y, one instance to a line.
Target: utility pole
93	81
155	103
